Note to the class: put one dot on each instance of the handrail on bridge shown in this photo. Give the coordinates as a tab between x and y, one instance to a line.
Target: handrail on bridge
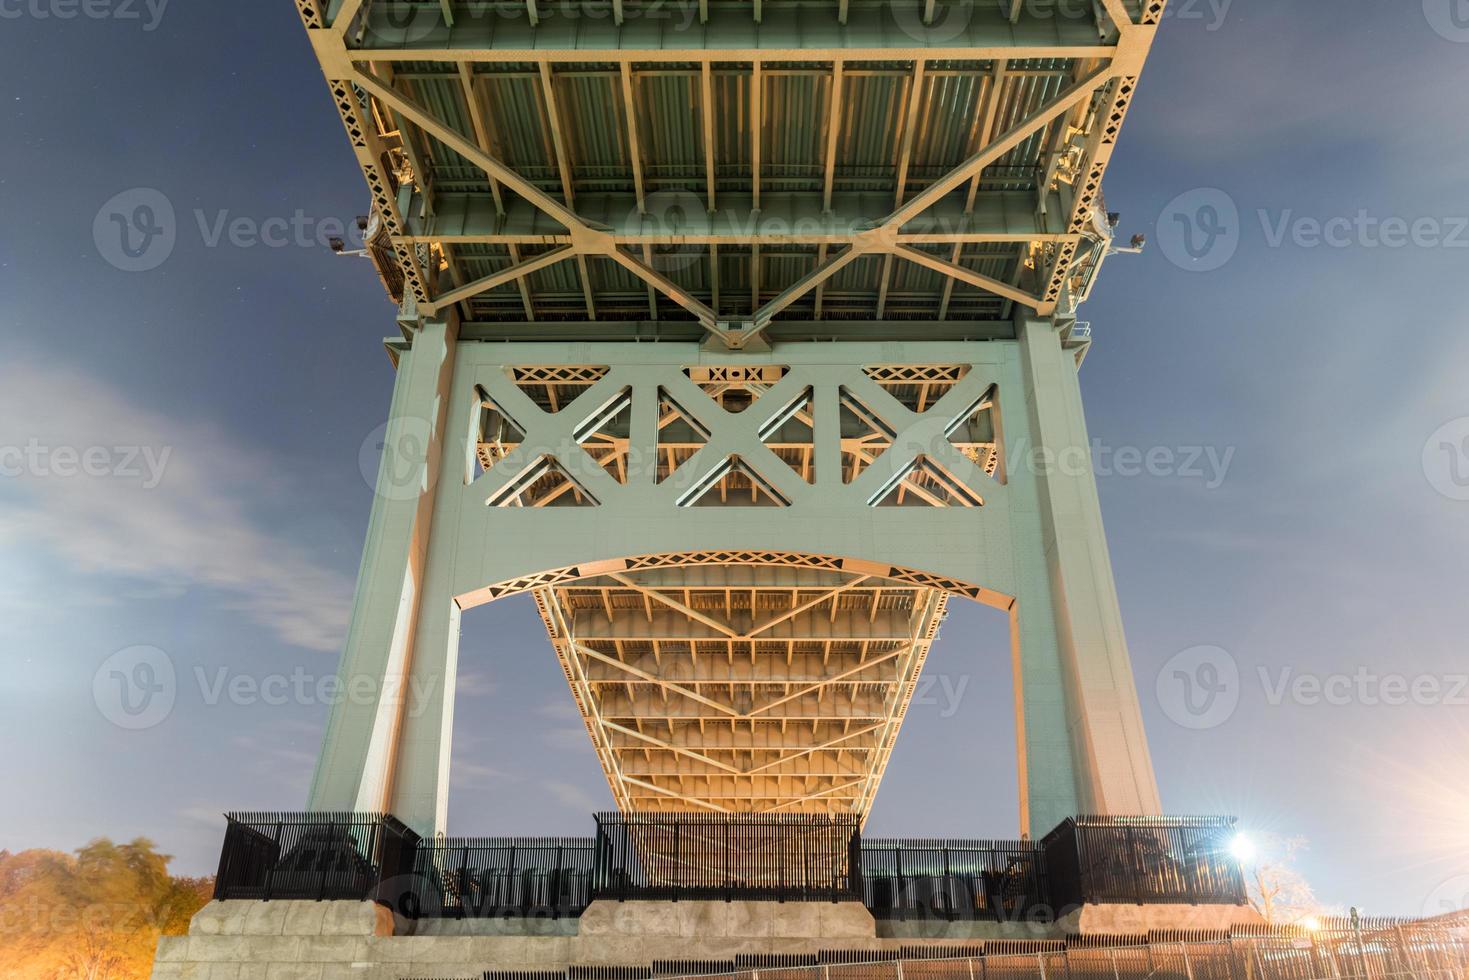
745	857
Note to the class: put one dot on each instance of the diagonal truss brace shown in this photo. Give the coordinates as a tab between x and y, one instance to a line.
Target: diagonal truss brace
586	239
592	239
882	240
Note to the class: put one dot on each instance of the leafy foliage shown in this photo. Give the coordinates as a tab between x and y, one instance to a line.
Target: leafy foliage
95	915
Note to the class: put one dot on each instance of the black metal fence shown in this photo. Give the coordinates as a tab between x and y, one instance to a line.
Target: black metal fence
783	857
1144	861
310	855
490	877
777	857
954	880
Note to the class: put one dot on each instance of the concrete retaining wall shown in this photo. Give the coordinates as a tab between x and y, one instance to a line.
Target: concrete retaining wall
288	940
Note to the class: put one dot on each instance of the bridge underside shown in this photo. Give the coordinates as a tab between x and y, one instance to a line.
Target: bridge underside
742	689
733	170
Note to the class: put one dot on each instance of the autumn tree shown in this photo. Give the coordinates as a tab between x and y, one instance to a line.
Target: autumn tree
93	915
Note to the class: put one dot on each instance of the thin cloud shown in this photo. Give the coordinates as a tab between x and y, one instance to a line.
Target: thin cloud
162	506
473	684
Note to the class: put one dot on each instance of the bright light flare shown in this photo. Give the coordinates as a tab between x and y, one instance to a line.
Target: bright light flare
1242	849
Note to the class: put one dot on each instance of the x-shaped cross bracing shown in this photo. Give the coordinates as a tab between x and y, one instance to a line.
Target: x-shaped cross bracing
592	239
921	436
916	438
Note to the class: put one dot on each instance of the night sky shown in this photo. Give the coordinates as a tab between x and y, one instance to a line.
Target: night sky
182	449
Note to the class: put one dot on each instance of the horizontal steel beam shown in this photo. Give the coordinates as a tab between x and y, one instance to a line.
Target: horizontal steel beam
680	218
604	673
682	767
815	626
888	32
820	705
724	740
716	786
687	330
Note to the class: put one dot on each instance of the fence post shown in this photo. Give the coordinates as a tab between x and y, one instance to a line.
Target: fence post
1357	934
900	891
949	902
270	875
325	859
459	878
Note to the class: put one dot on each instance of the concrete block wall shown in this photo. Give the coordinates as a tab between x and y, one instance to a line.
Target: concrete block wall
291	940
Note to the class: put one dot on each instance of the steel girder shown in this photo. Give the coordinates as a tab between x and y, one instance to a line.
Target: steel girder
564	153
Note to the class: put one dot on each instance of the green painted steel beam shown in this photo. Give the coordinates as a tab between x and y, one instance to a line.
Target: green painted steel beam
886	32
687	330
679	217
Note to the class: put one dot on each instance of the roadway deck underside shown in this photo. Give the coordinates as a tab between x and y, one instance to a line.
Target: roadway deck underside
743	689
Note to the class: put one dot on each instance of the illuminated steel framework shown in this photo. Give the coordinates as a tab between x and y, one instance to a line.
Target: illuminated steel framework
726	330
741	170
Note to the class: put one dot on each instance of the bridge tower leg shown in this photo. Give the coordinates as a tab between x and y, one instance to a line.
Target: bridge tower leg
1066	620
387	741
